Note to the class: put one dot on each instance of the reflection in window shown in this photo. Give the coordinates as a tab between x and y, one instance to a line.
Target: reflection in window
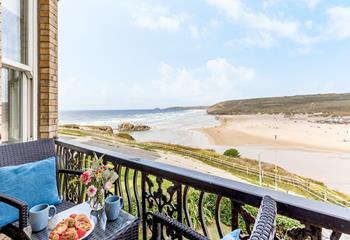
11	105
14	30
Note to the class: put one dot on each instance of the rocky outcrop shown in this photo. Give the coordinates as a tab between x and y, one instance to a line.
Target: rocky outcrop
126	136
104	129
129	127
124	127
142	128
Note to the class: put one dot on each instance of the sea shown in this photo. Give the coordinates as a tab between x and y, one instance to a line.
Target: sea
167	125
181	127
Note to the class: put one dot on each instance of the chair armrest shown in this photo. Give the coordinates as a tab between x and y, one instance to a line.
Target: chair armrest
20	205
69	171
265	223
182	229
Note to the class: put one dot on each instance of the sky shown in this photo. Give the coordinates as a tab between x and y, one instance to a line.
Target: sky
138	54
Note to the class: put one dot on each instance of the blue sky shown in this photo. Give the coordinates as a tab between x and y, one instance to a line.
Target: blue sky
145	53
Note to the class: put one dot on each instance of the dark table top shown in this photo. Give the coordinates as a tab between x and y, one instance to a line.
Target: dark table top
103	229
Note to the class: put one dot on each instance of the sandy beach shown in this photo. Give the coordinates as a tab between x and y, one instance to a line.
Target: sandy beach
277	130
302	145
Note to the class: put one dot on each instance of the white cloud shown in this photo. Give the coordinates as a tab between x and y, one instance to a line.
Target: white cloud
269	3
311	3
264	22
261	40
339	22
309	24
238	12
233	8
198	85
271	29
309	40
159	18
216	80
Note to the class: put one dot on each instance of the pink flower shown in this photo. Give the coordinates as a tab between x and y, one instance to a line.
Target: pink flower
91	191
85	178
107	186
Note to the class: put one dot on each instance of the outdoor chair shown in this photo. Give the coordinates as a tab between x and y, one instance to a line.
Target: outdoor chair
21	153
264	227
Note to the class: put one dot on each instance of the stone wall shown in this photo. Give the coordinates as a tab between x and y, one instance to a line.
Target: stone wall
48	93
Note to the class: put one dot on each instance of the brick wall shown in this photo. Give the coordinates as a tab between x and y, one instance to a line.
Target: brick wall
48	106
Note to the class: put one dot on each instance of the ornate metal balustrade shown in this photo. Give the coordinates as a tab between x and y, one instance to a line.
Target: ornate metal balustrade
209	204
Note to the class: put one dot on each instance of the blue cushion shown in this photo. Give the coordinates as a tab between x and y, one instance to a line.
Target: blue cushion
33	183
233	235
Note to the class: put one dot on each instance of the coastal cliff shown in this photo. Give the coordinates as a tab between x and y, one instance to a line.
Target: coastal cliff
328	104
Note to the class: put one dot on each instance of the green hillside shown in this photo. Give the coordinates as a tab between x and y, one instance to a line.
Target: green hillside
338	104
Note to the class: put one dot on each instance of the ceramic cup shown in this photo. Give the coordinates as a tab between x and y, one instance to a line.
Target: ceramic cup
113	206
39	216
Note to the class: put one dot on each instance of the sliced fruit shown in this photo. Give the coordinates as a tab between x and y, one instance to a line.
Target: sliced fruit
81	232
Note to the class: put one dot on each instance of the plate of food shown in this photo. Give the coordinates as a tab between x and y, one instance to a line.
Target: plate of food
74	227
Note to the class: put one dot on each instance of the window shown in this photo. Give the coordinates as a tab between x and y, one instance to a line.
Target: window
19	72
12	105
14	14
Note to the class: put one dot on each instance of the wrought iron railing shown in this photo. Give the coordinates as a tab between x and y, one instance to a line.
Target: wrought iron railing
308	187
209	204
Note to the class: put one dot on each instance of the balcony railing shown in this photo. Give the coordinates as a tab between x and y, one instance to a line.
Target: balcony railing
210	204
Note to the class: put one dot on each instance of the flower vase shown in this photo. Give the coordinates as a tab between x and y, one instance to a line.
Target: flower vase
97	202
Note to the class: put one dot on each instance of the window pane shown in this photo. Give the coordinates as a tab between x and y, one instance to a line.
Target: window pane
11	105
14	30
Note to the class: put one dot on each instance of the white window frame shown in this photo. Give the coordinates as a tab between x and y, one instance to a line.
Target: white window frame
30	70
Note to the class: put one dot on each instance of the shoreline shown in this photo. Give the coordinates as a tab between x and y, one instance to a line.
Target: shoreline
238	130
